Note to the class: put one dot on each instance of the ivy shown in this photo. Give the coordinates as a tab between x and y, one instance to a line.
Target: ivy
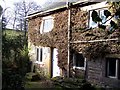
115	6
15	61
113	24
96	17
107	13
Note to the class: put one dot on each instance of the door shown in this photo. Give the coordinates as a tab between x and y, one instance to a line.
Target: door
56	69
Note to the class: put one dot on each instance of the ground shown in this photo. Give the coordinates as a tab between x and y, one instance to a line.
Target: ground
57	82
39	84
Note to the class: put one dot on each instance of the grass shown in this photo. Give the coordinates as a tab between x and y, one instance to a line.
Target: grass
59	84
39	84
33	85
10	32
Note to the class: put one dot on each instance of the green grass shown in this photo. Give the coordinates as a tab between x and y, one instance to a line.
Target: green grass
33	85
11	33
39	84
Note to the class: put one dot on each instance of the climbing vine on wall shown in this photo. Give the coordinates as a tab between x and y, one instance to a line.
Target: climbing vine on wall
58	36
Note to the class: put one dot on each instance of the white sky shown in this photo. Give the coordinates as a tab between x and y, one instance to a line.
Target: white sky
9	3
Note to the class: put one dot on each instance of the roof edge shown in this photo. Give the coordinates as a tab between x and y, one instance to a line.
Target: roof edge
54	9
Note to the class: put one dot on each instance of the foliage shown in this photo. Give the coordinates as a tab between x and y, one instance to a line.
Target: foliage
4	22
0	10
99	49
96	50
96	17
15	61
72	83
113	12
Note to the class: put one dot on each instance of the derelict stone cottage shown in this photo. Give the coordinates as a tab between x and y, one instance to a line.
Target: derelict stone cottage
94	53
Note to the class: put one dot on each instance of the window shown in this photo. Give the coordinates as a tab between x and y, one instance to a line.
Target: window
79	61
46	25
112	68
102	16
39	55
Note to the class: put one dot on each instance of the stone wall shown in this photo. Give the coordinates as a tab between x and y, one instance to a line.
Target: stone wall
58	36
94	52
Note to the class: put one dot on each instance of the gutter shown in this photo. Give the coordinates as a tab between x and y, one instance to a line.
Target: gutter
58	8
44	12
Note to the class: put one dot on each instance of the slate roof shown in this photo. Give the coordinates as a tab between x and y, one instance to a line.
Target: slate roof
52	5
56	4
49	7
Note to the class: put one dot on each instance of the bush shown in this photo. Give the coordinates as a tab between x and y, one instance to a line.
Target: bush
15	61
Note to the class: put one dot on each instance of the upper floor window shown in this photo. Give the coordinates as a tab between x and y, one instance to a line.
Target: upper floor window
113	68
100	12
47	24
79	61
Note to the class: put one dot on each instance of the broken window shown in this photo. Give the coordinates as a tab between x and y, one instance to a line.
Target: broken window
100	12
78	61
112	67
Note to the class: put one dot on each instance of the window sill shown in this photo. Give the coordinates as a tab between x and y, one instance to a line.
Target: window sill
112	77
37	62
82	68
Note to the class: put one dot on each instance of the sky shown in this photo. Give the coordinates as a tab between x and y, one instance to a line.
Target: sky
8	6
9	3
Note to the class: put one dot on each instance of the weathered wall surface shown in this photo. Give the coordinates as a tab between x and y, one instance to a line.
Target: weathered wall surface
96	74
43	68
95	71
58	38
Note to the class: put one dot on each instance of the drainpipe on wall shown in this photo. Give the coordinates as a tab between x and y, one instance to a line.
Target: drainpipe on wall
69	27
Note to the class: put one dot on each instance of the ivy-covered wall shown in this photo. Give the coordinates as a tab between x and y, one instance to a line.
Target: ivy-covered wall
96	49
58	38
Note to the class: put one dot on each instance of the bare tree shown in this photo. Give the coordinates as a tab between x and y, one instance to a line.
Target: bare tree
0	10
22	9
5	18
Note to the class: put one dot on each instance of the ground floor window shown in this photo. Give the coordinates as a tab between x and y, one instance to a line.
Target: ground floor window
39	53
113	67
79	61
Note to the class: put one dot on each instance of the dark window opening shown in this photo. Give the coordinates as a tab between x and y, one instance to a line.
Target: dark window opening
78	60
41	53
37	54
113	68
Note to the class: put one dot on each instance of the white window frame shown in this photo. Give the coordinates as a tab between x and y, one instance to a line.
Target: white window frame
116	70
39	61
98	10
74	62
42	24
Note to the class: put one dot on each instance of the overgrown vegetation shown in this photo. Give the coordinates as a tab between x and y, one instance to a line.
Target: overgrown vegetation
60	83
112	31
15	60
71	83
112	15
